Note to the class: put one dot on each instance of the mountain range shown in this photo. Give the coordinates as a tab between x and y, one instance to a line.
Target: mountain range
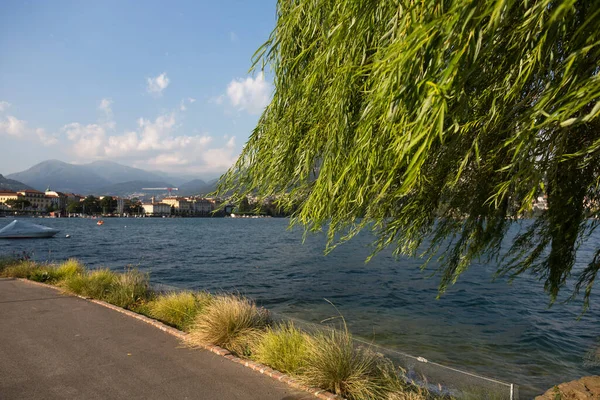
101	178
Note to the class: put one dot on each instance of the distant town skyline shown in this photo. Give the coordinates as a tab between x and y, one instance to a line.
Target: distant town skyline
153	86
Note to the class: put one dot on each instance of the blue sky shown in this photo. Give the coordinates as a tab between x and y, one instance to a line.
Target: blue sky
156	85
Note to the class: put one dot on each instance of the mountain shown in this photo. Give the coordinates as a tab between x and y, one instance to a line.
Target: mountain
131	187
12	185
58	175
197	187
116	173
105	177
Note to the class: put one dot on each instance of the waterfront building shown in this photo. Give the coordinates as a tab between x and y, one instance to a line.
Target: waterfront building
156	209
6	195
181	204
57	199
38	200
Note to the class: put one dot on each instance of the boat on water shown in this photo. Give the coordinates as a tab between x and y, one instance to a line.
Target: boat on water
100	222
26	230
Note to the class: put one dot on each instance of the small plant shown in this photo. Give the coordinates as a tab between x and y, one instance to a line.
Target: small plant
178	309
232	322
334	363
283	348
67	269
95	284
26	270
128	288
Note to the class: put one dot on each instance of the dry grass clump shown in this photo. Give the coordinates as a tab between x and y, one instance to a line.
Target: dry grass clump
178	309
283	348
232	322
335	364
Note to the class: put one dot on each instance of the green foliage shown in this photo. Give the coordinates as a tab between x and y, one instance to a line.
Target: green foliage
18	204
74	207
91	205
438	120
283	348
178	309
232	322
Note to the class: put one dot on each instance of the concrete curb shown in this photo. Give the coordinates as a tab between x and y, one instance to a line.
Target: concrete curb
263	369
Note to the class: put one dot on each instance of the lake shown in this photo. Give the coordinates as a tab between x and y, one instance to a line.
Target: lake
505	331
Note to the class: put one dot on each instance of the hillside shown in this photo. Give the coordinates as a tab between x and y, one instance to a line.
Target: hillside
105	177
197	187
61	176
131	187
115	173
12	185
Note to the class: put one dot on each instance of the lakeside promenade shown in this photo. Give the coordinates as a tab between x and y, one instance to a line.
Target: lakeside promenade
56	346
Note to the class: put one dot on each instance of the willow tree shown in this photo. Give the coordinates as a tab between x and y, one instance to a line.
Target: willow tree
436	124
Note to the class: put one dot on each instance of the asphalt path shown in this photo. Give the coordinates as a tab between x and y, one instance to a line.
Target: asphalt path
54	346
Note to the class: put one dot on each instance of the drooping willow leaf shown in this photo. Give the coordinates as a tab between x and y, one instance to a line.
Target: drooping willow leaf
435	119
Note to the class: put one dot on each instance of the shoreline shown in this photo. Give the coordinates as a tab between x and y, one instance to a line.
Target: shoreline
43	272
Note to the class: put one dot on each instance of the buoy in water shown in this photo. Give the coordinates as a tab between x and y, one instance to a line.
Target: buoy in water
67	236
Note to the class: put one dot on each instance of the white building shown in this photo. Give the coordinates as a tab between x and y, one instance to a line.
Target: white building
156	209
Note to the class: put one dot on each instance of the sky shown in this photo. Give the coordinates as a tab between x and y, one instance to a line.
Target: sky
155	85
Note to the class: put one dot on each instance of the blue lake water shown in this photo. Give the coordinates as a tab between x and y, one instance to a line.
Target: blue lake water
493	328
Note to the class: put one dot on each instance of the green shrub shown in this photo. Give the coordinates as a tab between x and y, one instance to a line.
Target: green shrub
232	322
283	348
178	309
335	364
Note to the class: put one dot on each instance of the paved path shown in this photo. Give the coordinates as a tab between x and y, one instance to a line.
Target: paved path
54	346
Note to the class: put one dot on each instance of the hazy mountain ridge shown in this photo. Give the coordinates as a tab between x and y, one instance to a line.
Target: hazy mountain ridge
104	177
61	176
197	187
131	187
12	185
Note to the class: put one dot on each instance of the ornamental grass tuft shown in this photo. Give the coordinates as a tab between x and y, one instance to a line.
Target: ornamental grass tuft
26	270
178	309
67	269
335	364
123	290
283	348
232	322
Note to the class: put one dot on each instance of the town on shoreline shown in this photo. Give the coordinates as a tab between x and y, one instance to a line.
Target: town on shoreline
59	205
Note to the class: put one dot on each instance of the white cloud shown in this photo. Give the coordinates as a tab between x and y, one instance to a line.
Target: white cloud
13	126
105	106
158	84
233	37
45	138
182	105
88	139
4	105
251	94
